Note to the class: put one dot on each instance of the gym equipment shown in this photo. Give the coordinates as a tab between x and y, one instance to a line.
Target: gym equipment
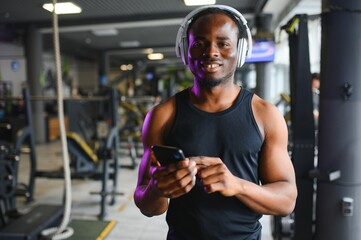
283	227
133	111
101	164
244	47
17	136
299	225
13	224
303	127
47	98
29	226
9	163
327	201
339	182
131	129
84	158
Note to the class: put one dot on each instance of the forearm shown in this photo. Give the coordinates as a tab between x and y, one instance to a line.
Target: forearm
149	202
276	198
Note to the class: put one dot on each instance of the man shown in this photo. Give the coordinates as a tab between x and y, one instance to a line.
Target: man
237	166
315	78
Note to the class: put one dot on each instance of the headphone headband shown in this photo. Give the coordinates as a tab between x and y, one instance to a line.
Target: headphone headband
181	48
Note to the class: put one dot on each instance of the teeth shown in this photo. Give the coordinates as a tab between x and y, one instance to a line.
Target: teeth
212	65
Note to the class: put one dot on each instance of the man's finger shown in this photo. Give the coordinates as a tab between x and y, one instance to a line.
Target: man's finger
202	161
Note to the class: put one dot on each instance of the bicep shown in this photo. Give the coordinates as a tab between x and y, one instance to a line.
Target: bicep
149	137
153	131
275	163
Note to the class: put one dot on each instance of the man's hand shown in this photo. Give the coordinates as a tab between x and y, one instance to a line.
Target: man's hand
215	176
174	180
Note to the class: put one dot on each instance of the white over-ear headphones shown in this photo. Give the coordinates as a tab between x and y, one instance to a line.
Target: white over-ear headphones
244	47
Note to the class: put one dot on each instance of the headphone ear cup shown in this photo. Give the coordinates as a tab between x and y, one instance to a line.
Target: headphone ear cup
185	50
242	51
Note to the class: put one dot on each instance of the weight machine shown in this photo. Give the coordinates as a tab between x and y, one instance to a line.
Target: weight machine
101	164
15	225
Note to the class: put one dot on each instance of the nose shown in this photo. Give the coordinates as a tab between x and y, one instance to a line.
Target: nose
211	50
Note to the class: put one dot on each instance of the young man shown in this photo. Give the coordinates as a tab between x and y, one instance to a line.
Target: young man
315	78
237	165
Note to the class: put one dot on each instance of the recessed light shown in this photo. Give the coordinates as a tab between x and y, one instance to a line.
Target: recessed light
148	50
155	56
126	67
129	44
199	2
62	8
105	32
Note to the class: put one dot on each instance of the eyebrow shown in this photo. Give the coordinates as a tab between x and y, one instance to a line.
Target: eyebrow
218	38
223	38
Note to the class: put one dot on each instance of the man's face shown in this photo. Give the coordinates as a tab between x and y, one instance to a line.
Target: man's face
212	52
315	83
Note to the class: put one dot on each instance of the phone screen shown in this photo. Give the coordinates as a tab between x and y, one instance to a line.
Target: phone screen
167	154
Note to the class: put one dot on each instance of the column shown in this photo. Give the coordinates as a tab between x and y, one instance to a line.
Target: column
33	53
338	213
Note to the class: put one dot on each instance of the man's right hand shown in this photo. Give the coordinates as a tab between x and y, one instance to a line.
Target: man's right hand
174	180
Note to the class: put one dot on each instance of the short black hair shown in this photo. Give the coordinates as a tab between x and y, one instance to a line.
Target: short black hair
315	75
215	10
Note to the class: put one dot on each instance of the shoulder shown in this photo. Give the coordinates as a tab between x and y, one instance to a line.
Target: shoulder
267	115
158	121
165	108
261	105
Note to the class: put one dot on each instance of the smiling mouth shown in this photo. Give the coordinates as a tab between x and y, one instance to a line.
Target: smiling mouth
211	65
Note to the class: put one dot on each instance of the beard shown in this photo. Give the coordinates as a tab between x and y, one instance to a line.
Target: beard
209	82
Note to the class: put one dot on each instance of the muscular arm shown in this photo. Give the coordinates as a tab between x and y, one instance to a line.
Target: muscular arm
146	196
277	193
158	183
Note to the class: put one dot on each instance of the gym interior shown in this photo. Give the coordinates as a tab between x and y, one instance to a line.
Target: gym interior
75	88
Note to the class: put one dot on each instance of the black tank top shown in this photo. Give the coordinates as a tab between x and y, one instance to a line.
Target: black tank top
233	136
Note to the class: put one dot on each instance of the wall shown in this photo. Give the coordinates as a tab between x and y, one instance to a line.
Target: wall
87	75
12	66
81	74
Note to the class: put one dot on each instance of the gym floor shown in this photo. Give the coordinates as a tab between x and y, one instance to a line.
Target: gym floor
130	223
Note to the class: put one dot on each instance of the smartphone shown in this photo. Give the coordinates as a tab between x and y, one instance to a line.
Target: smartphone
167	154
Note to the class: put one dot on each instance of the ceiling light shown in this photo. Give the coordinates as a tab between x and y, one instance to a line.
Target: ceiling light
62	8
105	32
126	67
128	44
199	2
148	50
155	56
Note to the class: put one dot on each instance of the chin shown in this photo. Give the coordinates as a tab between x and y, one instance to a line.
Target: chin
210	82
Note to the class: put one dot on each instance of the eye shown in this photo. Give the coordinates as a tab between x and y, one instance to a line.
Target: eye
197	44
224	44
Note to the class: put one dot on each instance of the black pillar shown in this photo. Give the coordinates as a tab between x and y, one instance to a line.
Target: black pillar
264	69
302	126
33	52
338	205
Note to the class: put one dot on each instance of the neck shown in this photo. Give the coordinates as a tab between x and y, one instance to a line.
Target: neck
214	99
